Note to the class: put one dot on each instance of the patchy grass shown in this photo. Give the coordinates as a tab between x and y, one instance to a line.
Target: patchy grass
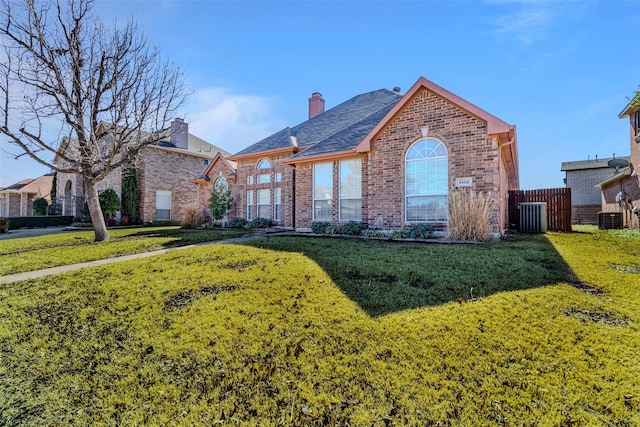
240	335
34	253
384	277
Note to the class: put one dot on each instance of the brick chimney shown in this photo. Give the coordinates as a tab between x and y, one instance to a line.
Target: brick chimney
316	104
180	134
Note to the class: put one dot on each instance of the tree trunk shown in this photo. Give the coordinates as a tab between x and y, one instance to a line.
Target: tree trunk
93	203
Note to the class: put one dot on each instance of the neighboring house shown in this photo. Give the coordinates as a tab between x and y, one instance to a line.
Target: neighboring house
17	199
582	176
381	158
621	190
162	170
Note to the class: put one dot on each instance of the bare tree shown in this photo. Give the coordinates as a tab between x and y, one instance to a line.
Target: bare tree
104	89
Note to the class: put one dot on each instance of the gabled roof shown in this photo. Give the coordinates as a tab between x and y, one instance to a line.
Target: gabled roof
40	185
230	164
335	129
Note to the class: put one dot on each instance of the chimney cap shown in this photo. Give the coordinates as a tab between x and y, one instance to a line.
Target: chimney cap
396	89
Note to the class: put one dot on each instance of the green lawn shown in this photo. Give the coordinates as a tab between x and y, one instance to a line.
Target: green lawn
20	255
282	332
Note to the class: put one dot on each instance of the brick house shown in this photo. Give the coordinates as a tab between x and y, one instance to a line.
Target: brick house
621	190
582	176
17	199
162	171
381	158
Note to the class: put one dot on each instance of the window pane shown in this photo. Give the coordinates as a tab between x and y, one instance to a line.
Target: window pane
250	180
322	210
277	203
264	178
249	205
351	178
351	209
264	203
264	164
163	205
278	177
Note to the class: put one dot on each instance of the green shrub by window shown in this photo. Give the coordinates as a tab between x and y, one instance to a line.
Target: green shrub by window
40	206
399	234
420	231
260	223
4	225
374	233
220	202
320	227
238	223
351	228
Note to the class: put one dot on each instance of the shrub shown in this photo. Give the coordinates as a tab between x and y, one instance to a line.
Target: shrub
374	233
351	228
54	209
4	225
332	229
109	201
470	215
193	217
399	234
38	221
238	223
260	223
320	227
420	231
130	195
40	206
220	201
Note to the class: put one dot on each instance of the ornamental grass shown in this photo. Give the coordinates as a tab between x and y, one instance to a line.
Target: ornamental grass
469	215
243	335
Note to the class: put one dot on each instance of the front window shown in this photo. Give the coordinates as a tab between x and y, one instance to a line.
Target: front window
426	181
163	205
264	178
322	191
277	204
264	164
351	190
249	205
264	203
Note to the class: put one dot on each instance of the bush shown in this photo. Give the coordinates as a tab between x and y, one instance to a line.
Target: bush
470	215
17	222
374	233
320	227
399	234
351	228
54	209
4	225
40	206
420	231
109	201
332	229
193	217
238	223
260	223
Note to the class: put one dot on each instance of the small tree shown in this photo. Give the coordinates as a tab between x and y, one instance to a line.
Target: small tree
220	200
130	195
40	206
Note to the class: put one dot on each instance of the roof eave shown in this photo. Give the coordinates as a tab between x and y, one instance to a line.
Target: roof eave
335	155
266	153
615	178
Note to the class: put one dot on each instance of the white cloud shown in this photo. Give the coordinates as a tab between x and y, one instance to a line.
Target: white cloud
229	120
528	24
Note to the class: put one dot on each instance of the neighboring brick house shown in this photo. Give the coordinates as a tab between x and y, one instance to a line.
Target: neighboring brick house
381	158
582	176
162	172
17	199
621	190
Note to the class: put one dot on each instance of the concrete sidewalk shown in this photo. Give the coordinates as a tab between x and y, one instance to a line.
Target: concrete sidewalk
36	274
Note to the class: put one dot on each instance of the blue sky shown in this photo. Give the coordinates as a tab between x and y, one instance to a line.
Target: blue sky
561	71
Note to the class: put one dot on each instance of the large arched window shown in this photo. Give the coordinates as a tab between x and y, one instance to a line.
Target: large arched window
221	184
264	164
426	181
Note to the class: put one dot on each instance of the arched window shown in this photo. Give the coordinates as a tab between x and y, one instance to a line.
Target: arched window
265	176
221	184
426	181
264	164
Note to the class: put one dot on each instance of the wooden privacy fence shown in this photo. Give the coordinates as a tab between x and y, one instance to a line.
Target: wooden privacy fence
558	202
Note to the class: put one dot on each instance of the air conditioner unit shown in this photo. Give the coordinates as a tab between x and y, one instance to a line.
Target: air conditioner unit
609	220
533	217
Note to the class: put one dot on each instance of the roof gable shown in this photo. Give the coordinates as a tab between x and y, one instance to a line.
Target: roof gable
494	125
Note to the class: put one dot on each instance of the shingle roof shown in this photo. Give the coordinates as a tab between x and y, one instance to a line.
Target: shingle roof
589	164
337	129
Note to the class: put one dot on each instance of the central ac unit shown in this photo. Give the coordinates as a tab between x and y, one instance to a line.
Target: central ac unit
533	217
609	220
